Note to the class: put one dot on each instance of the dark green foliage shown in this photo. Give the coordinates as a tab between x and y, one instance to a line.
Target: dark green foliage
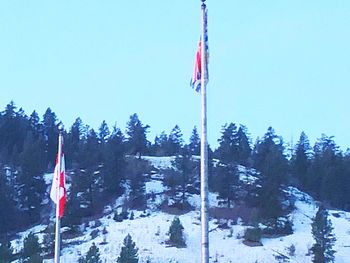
165	145
31	249
324	238
114	162
175	141
6	252
50	132
234	145
30	177
128	253
175	233
136	171
301	160
195	142
279	227
253	234
92	256
132	216
72	143
181	178
136	132
7	219
103	132
120	217
226	183
269	159
227	150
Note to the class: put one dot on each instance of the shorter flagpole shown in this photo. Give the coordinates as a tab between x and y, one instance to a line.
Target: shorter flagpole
58	221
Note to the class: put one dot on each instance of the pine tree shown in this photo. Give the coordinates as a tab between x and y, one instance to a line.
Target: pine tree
244	150
136	131
128	253
6	252
301	160
269	159
114	162
92	256
162	145
136	170
227	150
181	177
322	233
226	182
32	163
50	132
73	142
8	218
195	142
31	249
175	141
175	233
103	132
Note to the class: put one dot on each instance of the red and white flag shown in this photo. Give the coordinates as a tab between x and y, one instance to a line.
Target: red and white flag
59	183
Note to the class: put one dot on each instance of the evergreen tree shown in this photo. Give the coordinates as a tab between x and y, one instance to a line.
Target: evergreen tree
128	253
88	174
30	177
114	162
227	150
269	159
195	142
175	141
92	256
327	172
181	177
73	143
136	132
244	150
31	249
175	233
103	132
50	132
322	233
13	130
226	182
301	160
34	122
7	205
136	170
6	252
161	145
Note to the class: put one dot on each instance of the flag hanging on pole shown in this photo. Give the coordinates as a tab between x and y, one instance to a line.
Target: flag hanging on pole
59	182
197	70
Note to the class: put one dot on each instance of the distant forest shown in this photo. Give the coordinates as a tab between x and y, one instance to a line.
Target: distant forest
100	162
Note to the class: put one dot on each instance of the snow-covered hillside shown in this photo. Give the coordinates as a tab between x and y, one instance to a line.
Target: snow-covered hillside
149	232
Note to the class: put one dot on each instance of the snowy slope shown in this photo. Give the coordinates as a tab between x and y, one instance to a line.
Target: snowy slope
150	234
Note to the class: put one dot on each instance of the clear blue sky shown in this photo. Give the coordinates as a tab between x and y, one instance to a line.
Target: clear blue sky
284	64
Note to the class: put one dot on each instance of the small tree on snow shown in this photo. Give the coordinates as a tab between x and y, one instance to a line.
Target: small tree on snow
322	233
129	251
176	233
92	256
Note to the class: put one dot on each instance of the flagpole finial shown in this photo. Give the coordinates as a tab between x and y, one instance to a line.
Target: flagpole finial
60	127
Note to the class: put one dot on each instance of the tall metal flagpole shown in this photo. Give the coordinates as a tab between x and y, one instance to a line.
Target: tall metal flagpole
204	147
58	222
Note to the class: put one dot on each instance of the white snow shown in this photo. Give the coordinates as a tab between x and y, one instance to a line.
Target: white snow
150	233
